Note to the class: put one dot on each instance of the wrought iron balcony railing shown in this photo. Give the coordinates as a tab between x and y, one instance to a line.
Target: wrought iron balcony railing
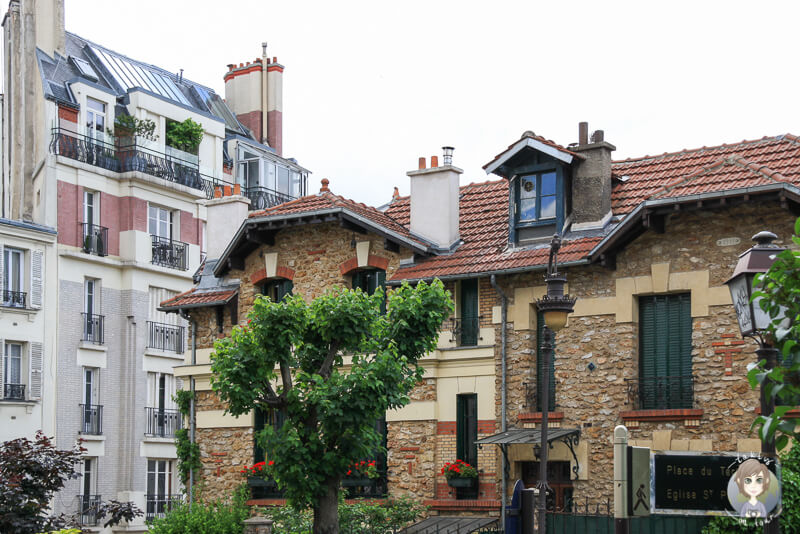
159	505
92	419
263	198
85	149
87	509
170	253
165	337
163	423
93	328
14	391
465	330
661	392
94	239
14	299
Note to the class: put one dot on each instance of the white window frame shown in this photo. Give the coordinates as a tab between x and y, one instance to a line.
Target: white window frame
92	207
91	386
158	216
13	271
92	116
91	290
89	480
7	358
164	469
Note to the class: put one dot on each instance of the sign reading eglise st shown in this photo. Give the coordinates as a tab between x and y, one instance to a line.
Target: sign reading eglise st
696	482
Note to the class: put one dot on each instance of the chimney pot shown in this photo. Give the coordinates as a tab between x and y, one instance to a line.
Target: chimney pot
324	187
237	189
231	66
396	194
421	163
597	136
583	133
447	155
227	191
274	59
217	192
240	65
434	161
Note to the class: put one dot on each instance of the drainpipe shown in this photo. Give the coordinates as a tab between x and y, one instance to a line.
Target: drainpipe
503	328
192	425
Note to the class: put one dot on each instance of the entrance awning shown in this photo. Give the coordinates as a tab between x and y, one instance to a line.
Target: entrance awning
533	436
449	525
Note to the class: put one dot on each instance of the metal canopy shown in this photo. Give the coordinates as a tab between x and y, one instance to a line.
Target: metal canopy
449	525
528	435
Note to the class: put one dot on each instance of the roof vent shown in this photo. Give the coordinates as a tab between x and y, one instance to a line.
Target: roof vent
83	66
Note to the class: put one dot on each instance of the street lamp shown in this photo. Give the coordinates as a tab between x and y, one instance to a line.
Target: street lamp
753	321
555	306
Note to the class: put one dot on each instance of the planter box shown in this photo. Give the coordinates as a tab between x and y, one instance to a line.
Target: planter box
354	482
462	482
258	482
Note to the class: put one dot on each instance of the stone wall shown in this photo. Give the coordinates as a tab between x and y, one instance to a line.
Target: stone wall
223	453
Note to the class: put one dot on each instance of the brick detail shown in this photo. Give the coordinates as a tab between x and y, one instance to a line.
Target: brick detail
662	415
446	427
536	417
275	130
347	267
727	349
260	276
378	262
252	121
68	114
480	505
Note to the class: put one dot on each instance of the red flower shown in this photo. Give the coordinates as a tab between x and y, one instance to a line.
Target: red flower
442	470
271	462
349	472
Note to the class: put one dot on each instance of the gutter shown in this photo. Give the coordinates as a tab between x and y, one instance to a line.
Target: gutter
462	276
192	419
503	335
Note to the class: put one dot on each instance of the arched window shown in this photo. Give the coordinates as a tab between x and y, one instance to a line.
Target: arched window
277	288
369	281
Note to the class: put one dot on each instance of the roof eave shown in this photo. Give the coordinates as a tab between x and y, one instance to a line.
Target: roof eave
527	142
483	274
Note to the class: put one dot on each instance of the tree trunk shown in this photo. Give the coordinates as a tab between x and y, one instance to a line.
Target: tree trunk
326	512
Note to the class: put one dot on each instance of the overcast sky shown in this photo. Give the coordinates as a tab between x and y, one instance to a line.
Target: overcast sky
371	86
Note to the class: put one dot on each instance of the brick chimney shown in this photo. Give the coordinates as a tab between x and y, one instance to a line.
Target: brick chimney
591	180
225	214
254	92
434	201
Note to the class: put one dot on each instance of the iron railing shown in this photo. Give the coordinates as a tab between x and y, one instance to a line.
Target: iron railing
93	328
92	419
170	253
163	423
14	391
263	198
661	392
125	158
165	337
465	330
87	509
14	299
94	239
159	505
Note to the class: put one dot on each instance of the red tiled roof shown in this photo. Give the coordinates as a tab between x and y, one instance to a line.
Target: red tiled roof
483	226
708	169
328	200
193	297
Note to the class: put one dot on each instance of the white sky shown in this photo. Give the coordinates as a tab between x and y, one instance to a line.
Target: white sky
371	86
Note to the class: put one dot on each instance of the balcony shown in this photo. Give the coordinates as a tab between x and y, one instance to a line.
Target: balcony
94	239
14	391
263	198
159	505
169	253
87	509
127	157
163	423
92	328
166	337
92	419
13	299
465	330
661	393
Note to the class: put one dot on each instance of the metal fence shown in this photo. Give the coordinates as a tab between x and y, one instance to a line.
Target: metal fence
93	328
661	392
159	505
94	239
170	253
92	419
163	423
165	337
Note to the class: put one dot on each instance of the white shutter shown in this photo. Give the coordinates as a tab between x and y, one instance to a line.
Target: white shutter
37	261
36	370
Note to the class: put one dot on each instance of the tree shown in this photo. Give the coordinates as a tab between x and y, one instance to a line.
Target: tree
780	297
333	367
31	472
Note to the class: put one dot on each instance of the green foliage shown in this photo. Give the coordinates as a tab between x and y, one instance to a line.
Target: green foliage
459	469
329	411
188	453
790	514
184	135
780	295
216	517
362	516
127	125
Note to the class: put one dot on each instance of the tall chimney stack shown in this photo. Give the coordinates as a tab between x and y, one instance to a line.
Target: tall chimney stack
254	92
434	201
591	180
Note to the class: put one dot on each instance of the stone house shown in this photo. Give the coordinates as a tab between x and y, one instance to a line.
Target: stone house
653	343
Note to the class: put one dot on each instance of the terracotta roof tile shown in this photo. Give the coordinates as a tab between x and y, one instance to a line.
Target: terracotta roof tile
194	297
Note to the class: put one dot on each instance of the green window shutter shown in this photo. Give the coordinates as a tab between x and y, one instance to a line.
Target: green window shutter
467	428
469	312
551	402
284	288
370	281
665	352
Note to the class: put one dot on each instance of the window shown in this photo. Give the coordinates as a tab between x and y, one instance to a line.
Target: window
160	222
88	500
468	325
376	487
551	383
163	417
162	488
537	196
165	331
95	118
91	208
13	278
665	351
91	411
277	289
13	386
466	437
369	281
92	321
262	419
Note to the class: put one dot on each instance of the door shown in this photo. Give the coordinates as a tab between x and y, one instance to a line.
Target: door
558	478
13	280
12	388
91	324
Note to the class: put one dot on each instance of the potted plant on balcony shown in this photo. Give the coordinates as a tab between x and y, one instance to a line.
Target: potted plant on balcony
185	136
460	474
260	475
360	474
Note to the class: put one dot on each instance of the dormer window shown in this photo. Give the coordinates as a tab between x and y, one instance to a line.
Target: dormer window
537	197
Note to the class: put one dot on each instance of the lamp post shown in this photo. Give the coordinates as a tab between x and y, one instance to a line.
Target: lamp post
753	321
555	306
